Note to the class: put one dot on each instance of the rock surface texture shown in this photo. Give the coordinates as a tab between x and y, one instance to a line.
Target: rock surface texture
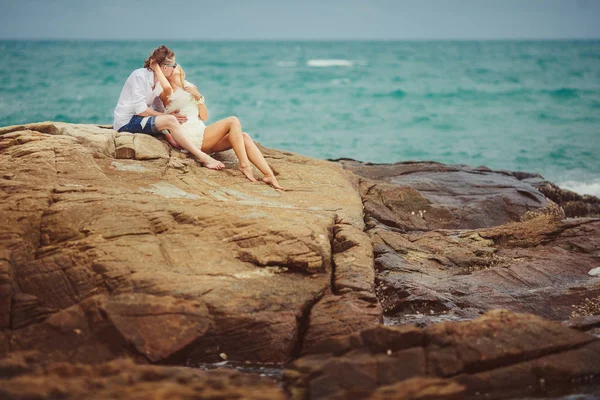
122	379
114	245
498	355
452	242
117	252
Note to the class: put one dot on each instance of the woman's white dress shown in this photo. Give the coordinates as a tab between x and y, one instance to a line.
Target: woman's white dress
185	103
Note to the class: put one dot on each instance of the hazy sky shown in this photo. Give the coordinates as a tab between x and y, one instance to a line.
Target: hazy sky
299	19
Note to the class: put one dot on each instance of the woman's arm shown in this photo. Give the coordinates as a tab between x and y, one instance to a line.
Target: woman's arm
202	110
164	83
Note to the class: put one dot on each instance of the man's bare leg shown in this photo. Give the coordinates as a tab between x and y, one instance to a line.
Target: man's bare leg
170	122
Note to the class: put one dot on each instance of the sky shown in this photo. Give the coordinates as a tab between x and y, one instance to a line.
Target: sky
300	19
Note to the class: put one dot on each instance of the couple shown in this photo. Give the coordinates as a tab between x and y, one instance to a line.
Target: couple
158	101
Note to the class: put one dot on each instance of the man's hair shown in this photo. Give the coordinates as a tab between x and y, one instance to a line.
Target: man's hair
161	55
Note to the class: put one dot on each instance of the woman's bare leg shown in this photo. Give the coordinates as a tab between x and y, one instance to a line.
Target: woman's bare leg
254	155
257	158
170	122
229	128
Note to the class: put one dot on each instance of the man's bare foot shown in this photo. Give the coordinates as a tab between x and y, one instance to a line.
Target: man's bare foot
211	163
271	180
248	172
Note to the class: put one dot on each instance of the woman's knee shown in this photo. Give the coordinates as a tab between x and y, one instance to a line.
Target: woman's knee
247	137
234	121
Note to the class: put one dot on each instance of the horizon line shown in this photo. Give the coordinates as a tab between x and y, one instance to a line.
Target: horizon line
303	39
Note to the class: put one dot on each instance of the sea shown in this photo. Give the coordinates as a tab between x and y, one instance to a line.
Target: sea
509	105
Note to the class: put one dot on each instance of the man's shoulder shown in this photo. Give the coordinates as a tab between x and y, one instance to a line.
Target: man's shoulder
141	73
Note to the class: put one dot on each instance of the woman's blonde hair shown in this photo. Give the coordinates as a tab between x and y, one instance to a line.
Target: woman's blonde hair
181	75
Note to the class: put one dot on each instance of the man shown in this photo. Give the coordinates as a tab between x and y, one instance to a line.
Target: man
134	112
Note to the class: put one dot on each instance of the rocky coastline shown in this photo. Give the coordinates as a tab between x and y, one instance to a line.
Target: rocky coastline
129	271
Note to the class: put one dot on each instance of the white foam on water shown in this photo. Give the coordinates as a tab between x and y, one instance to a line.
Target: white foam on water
329	63
592	188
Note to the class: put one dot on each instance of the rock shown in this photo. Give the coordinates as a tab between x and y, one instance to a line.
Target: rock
538	266
425	195
573	204
584	323
113	245
594	271
338	315
420	389
495	355
122	379
27	309
452	242
117	252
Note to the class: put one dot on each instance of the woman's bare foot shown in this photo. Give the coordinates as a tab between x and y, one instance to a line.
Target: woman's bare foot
248	172
271	180
211	163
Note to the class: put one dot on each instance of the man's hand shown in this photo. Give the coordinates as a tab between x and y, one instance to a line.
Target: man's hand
181	118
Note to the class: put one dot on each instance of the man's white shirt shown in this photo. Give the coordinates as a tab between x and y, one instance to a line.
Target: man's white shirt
137	95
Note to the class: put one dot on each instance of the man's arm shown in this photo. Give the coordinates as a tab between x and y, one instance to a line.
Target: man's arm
148	112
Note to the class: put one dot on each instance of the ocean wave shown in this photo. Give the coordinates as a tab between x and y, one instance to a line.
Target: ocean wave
480	94
561	119
322	63
591	188
563	93
286	64
342	81
396	94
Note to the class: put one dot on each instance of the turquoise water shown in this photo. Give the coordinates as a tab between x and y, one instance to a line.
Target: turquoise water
516	105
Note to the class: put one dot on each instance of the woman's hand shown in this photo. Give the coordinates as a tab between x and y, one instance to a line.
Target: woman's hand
193	90
154	65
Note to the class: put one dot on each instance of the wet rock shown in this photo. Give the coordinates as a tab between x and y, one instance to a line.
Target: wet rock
574	204
494	355
427	195
538	266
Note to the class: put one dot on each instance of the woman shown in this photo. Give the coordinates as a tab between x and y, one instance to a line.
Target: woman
179	94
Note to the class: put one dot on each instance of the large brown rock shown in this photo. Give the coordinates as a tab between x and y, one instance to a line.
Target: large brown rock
498	355
122	379
426	195
452	242
573	204
116	245
539	266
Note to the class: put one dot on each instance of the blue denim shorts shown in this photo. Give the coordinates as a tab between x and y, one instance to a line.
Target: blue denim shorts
138	124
